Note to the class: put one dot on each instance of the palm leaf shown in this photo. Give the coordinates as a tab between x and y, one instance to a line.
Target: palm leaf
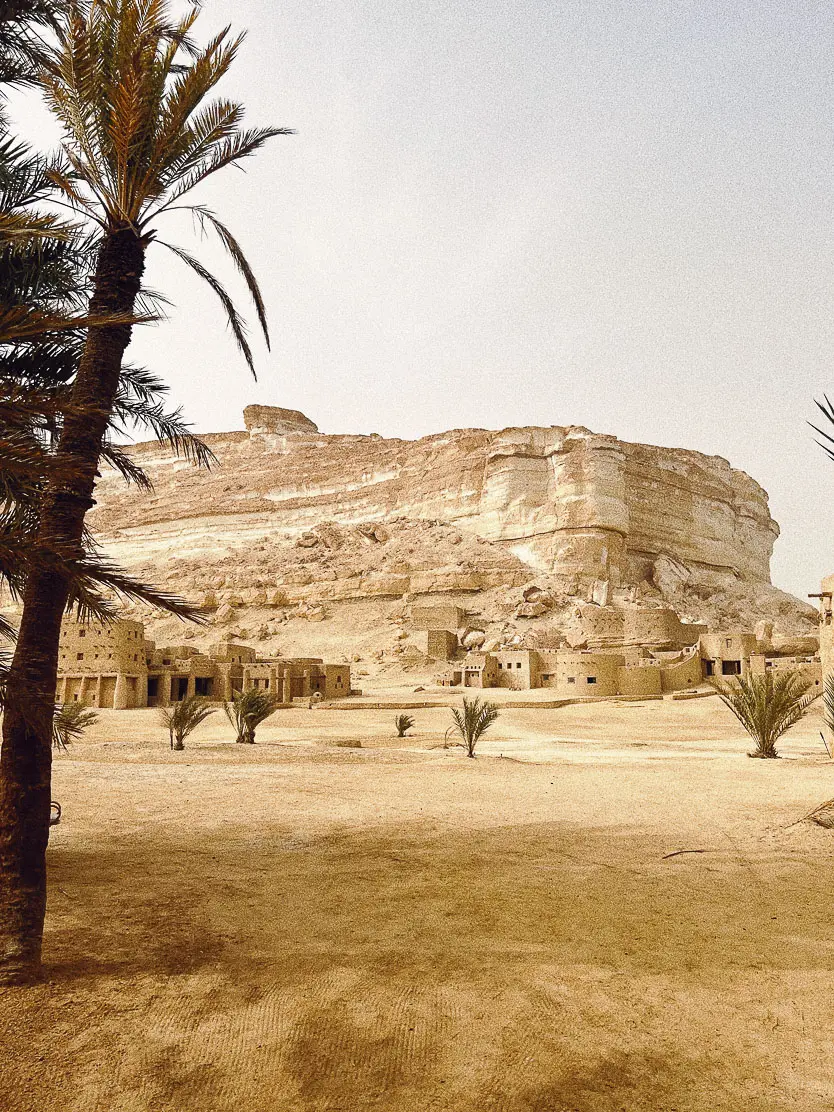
234	319
767	705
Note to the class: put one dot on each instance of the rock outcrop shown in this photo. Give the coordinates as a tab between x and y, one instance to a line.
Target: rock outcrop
566	501
260	420
518	526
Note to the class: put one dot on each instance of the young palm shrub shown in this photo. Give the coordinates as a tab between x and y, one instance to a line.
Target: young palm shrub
767	705
403	723
473	722
70	722
828	713
248	709
183	718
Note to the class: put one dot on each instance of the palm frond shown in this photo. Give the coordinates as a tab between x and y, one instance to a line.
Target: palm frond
248	709
184	717
825	407
767	705
69	723
236	324
121	462
473	721
205	215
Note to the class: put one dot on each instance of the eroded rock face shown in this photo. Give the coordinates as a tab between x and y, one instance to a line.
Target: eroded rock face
574	504
261	419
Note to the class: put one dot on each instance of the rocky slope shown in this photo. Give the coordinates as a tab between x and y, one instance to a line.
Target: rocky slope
293	524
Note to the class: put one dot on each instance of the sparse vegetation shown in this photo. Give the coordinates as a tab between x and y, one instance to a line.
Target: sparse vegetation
247	710
828	713
403	723
473	722
183	718
70	722
767	705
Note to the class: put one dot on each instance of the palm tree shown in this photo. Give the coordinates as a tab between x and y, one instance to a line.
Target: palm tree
248	709
403	723
129	86
43	276
473	722
767	705
183	718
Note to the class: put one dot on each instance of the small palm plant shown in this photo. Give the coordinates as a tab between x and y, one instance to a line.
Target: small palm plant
828	713
473	722
70	722
183	718
248	709
767	705
403	723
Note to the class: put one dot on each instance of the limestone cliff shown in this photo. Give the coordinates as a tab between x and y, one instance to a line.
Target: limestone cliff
516	527
566	501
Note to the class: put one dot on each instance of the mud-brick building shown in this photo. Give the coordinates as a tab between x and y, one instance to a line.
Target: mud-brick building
475	670
579	672
727	654
299	678
178	671
103	665
115	666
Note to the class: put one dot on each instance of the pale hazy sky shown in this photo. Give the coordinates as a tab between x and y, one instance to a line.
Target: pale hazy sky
613	213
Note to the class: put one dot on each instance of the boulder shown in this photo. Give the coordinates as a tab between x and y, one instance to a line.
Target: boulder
669	575
531	609
600	591
473	639
797	645
764	635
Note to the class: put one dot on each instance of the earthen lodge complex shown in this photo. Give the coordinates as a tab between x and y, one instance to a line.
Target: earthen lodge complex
646	651
115	666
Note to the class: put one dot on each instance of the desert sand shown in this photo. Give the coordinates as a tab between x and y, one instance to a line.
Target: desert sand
303	926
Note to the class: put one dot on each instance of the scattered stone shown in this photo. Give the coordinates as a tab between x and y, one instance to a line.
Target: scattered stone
531	609
473	639
600	591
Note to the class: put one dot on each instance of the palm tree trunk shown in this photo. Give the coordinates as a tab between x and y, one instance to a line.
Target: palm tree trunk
26	755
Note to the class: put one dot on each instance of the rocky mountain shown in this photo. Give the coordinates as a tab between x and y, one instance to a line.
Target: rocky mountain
299	524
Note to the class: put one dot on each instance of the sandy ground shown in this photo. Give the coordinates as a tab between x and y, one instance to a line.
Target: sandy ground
307	926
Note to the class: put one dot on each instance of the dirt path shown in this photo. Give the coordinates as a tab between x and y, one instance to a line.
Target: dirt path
301	928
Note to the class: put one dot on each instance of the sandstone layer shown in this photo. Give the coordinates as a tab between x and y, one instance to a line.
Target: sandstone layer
561	500
520	527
